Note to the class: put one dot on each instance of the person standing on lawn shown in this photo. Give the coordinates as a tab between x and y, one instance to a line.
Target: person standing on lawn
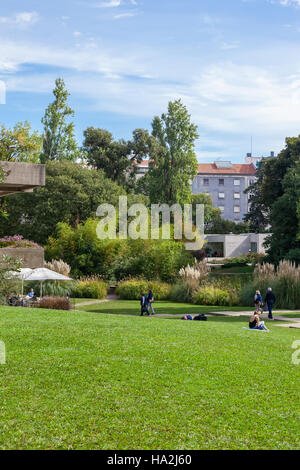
270	301
258	301
151	300
144	305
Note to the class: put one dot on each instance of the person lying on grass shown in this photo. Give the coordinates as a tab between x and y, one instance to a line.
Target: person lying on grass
256	324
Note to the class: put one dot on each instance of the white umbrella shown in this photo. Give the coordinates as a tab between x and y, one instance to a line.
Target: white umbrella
44	274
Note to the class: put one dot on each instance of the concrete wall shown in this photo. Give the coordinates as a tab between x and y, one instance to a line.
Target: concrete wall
31	257
236	245
21	177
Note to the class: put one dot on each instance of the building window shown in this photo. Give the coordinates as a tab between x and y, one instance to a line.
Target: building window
237	196
237	209
237	182
221	195
206	181
221	208
221	181
253	247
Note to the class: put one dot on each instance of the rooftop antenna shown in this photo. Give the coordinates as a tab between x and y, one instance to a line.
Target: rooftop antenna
251	146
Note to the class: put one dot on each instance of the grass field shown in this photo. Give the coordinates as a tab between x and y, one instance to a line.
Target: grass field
84	380
132	307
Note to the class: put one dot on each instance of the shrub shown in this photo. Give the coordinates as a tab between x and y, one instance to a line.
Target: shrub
133	288
210	295
59	266
183	291
55	303
90	288
285	283
8	283
17	241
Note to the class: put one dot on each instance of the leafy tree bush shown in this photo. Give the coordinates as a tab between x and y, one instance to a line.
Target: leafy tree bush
133	288
90	288
115	259
71	195
8	285
210	295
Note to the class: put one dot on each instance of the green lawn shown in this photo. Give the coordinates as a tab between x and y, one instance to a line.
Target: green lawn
84	380
132	307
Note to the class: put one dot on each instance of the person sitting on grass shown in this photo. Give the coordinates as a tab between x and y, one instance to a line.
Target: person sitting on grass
144	305
256	324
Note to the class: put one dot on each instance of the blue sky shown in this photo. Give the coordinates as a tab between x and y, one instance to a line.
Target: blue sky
234	63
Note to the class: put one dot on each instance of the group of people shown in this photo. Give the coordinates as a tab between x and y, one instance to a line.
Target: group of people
255	323
146	302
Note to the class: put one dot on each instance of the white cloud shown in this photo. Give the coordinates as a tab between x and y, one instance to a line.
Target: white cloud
20	19
124	15
286	3
107	4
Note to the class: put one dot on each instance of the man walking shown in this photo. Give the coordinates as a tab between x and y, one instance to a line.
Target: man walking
270	300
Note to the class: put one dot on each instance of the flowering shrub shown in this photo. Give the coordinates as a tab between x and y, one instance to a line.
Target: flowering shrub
17	241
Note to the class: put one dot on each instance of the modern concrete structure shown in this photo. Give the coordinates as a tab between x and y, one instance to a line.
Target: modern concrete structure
31	257
255	160
230	246
21	177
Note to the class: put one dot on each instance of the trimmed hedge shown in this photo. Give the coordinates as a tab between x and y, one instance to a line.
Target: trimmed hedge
133	288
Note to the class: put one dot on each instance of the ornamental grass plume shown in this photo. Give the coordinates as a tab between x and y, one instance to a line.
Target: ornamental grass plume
265	272
59	266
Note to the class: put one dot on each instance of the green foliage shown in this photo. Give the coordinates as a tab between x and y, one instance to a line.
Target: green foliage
59	142
55	303
20	144
244	260
222	226
257	214
89	288
210	295
133	288
182	291
8	285
71	195
115	259
116	158
173	160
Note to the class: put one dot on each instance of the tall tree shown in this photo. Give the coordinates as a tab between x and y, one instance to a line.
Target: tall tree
173	160
116	158
59	142
20	144
258	215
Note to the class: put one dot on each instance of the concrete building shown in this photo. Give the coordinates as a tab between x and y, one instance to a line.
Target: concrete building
226	183
255	160
230	246
22	177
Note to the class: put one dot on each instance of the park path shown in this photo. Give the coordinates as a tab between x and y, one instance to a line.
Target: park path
109	298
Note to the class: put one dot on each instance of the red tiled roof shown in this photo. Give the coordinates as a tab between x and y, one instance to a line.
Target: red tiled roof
236	169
